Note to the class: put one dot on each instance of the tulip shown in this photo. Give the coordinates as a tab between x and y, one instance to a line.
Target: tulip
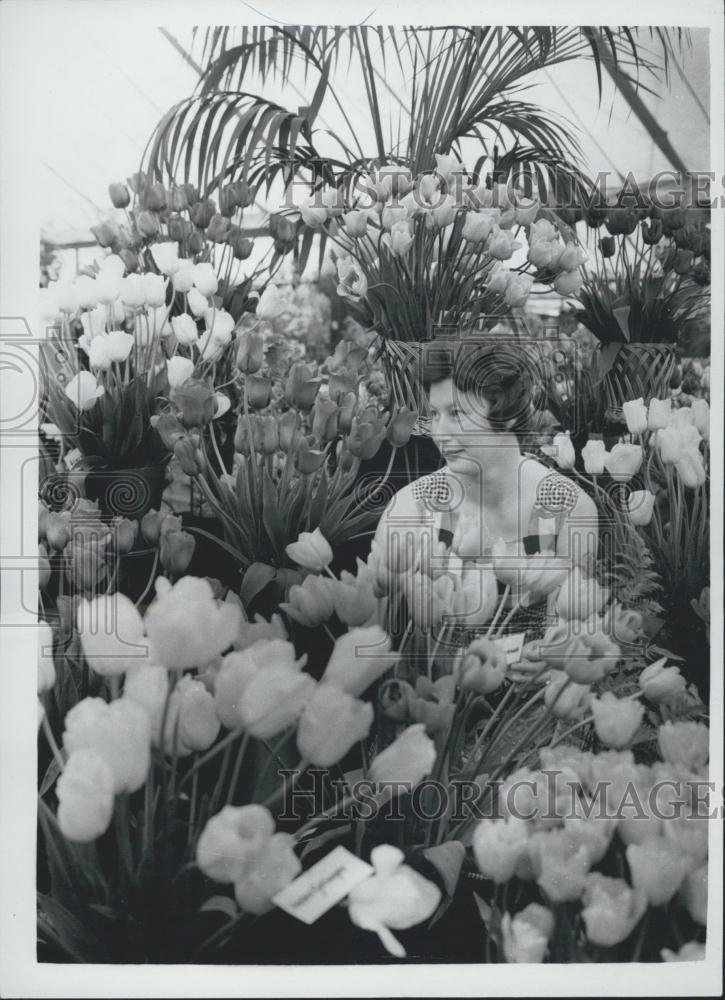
250	353
332	722
58	529
241	193
288	430
526	936
186	626
111	634
233	840
301	388
154	289
560	863
571	257
166	257
147	224
238	668
311	602
562	451
580	597
635	415
271	872
191	720
106	233
155	197
624	461
195	400
660	683
85	566
691	469
400	239
407	760
355	603
499	846
359	658
352	282
484	667
176	551
657	869
616	720
274	698
119	195
183	277
686	743
324	420
694	894
611	909
120	732
518	289
700	409
659	413
355	223
396	896
313	212
124	534
501	244
544	253
85	796
477	226
189	457
241	247
311	551
565	698
568	283
594	456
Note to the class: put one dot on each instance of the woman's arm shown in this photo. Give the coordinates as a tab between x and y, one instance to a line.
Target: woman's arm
578	537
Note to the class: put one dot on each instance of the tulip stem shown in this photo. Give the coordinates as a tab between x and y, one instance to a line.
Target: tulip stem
152	577
287	785
52	744
237	768
499	609
221	745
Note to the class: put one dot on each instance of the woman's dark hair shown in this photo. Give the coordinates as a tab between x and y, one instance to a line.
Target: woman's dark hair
497	374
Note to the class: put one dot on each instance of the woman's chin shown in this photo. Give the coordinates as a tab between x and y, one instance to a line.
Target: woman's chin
460	462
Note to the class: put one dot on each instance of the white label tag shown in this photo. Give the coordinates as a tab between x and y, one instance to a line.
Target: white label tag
73	458
322	886
512	646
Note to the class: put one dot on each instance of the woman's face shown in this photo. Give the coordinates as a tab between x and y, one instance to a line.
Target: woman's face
460	426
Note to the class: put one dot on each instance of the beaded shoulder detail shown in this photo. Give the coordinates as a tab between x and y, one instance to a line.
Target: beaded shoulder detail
434	490
555	494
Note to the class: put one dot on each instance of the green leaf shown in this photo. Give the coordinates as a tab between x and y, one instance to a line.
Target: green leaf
325	838
257	577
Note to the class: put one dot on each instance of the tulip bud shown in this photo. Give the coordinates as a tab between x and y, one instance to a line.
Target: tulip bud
189	457
324	420
272	871
227	201
202	213
408	759
147	224
119	195
635	415
241	193
196	401
217	229
308	460
683	262
137	182
124	534
401	427
301	388
151	526
120	732
241	247
258	391
657	869
661	683
347	404
526	936
58	530
154	197
105	233
197	241
289	424
484	667
499	846
607	246
176	551
85	564
243	441
651	232
269	435
130	260
250	353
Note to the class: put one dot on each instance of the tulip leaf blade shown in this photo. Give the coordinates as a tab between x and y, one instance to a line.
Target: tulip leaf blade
257	577
447	859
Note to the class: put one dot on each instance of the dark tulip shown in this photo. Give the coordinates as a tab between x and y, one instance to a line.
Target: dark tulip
241	247
130	259
281	247
197	241
178	200
106	233
195	399
137	182
259	391
147	224
192	194
701	273
227	201
176	551
123	534
683	262
673	219
286	229
188	457
151	526
155	198
170	429
119	195
217	229
178	228
681	238
242	195
202	213
608	246
651	232
621	221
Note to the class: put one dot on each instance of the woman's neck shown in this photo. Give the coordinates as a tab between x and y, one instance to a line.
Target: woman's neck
495	481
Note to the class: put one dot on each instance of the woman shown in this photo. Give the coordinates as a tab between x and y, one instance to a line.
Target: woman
492	506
